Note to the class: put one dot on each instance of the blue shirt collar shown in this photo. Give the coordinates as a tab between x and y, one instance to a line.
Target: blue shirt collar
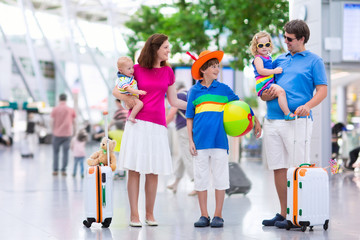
303	53
214	84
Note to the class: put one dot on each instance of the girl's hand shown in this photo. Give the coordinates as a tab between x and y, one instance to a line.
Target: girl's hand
192	148
278	70
141	92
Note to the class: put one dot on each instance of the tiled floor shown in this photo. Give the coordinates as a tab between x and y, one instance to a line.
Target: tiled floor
36	205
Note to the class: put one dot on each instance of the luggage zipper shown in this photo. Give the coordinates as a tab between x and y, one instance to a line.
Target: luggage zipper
99	193
295	198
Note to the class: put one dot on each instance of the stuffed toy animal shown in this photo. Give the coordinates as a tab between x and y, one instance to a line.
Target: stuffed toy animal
100	156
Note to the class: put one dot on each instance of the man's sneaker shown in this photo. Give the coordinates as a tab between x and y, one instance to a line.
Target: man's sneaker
284	224
271	222
202	222
217	222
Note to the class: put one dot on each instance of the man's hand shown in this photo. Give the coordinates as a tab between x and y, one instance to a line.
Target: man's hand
268	94
302	110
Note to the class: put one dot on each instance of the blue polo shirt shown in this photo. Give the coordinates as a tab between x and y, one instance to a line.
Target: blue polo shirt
206	107
301	73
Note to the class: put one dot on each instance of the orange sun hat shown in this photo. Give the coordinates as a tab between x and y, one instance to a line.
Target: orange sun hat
203	58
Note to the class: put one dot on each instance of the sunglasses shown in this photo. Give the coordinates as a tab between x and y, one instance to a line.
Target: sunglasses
289	39
261	45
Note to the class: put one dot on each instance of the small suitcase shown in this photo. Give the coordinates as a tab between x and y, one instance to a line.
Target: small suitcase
25	148
98	196
307	195
239	183
98	190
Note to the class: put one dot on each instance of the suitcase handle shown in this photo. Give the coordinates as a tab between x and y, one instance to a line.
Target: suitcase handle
307	164
105	113
306	133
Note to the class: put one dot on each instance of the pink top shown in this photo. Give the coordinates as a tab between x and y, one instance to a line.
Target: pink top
78	147
155	82
63	117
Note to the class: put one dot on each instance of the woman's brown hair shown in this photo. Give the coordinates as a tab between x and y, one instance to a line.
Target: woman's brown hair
148	54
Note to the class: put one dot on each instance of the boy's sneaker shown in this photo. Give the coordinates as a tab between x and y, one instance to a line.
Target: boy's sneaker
202	222
217	222
271	222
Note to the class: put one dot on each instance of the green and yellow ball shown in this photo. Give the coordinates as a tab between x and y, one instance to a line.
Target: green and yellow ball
238	118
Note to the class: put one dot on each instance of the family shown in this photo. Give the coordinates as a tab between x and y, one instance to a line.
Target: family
287	84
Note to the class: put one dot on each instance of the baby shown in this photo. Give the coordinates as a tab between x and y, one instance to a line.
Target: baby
128	85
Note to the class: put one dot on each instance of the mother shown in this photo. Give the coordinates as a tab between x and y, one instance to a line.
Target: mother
144	146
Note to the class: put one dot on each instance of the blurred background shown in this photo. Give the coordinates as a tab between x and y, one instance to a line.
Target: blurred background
71	46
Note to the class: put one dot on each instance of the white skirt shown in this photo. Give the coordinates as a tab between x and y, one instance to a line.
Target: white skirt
145	148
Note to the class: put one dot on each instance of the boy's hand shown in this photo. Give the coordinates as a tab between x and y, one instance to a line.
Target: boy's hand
278	70
257	128
192	148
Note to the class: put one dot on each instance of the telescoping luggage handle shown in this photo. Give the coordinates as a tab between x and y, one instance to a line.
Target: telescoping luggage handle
105	113
306	141
103	177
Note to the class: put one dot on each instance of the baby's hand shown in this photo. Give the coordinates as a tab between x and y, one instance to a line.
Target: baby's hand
278	70
141	92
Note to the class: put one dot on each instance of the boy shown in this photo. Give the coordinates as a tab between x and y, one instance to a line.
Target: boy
207	137
128	85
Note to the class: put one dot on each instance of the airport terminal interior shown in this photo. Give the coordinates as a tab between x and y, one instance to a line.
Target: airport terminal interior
51	47
36	205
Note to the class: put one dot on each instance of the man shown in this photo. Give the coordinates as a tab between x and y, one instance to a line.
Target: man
63	128
303	72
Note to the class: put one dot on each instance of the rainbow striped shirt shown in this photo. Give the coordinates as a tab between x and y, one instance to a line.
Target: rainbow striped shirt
206	107
262	82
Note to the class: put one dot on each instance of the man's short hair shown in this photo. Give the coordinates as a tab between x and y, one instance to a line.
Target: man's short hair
299	28
62	97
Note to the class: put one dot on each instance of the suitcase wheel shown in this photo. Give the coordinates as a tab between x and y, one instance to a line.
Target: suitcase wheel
303	228
106	223
88	222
